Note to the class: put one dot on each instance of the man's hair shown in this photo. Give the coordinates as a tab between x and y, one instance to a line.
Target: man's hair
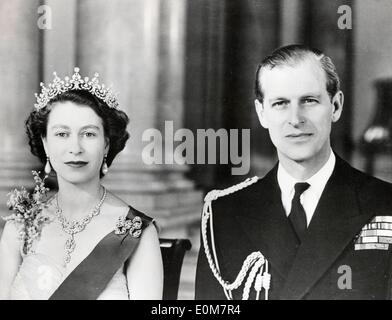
291	55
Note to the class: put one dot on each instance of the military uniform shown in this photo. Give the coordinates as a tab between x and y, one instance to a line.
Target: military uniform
345	254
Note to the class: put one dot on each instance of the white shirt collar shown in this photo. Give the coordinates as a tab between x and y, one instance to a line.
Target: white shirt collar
312	195
319	179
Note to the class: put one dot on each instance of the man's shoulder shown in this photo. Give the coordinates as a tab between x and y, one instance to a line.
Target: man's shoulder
236	190
248	194
368	187
369	180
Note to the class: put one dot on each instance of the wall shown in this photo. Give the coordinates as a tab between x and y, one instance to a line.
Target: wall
372	60
372	29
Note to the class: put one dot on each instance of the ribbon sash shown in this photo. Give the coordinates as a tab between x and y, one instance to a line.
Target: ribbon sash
91	276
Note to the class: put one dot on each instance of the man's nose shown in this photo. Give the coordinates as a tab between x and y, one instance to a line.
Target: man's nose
75	145
296	115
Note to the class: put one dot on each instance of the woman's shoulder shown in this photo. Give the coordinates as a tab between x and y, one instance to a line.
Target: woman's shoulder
124	215
125	211
10	241
115	203
10	232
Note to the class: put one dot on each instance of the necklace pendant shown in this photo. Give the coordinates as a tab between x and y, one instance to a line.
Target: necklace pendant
73	227
70	244
67	259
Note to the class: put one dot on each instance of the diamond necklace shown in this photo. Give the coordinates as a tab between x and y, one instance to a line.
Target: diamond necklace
73	227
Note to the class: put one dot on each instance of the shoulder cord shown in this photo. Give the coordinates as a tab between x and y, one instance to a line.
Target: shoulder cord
255	260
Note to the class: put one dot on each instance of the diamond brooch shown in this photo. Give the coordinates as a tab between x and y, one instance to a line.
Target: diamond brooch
133	227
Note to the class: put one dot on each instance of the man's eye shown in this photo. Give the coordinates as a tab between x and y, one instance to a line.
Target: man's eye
279	104
310	101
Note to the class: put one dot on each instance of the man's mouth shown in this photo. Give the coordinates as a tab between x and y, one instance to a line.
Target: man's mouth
299	136
76	164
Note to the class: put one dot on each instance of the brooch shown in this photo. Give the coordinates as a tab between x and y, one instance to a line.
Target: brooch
28	212
134	226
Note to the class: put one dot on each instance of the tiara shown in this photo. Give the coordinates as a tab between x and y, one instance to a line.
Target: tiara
76	82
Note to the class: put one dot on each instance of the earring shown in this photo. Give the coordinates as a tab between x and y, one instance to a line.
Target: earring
105	168
48	168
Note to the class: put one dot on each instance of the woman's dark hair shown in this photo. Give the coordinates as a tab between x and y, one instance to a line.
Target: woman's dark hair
114	123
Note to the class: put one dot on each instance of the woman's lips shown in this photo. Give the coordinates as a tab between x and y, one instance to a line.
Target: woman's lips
76	164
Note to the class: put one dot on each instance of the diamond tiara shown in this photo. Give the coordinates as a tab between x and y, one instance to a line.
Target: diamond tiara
76	82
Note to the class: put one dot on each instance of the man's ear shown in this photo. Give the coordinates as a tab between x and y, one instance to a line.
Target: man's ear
260	113
337	102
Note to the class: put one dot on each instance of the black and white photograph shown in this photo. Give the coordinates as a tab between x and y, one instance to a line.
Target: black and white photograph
195	150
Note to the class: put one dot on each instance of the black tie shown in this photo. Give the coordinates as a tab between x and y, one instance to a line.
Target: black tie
297	214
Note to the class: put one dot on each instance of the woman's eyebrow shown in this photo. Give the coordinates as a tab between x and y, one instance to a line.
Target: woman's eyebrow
91	126
59	126
62	126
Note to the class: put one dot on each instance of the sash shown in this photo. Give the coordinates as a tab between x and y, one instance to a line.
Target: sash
91	276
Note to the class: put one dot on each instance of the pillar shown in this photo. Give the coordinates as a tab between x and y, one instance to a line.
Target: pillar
137	46
19	80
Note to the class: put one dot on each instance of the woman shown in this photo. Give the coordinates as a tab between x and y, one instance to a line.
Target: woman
86	243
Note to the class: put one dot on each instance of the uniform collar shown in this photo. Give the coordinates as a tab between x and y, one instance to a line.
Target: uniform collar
317	181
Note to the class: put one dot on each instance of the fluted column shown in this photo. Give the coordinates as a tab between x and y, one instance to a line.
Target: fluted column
59	43
252	33
19	79
137	46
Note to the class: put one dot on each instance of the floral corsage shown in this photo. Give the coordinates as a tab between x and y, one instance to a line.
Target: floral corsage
28	212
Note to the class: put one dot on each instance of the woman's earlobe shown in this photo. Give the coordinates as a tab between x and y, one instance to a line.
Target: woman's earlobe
43	139
107	145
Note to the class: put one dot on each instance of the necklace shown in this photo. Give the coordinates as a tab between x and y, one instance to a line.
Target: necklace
73	227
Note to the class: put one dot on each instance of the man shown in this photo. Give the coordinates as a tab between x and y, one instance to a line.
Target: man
324	227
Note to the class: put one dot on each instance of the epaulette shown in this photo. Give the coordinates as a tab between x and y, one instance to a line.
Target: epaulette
215	194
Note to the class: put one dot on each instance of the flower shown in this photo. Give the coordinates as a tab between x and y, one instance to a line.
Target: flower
27	211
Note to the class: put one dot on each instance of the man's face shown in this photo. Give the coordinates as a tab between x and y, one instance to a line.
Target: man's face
298	111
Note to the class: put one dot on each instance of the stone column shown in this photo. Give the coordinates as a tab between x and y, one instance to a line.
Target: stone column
322	32
252	32
137	46
19	80
59	43
292	21
205	80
